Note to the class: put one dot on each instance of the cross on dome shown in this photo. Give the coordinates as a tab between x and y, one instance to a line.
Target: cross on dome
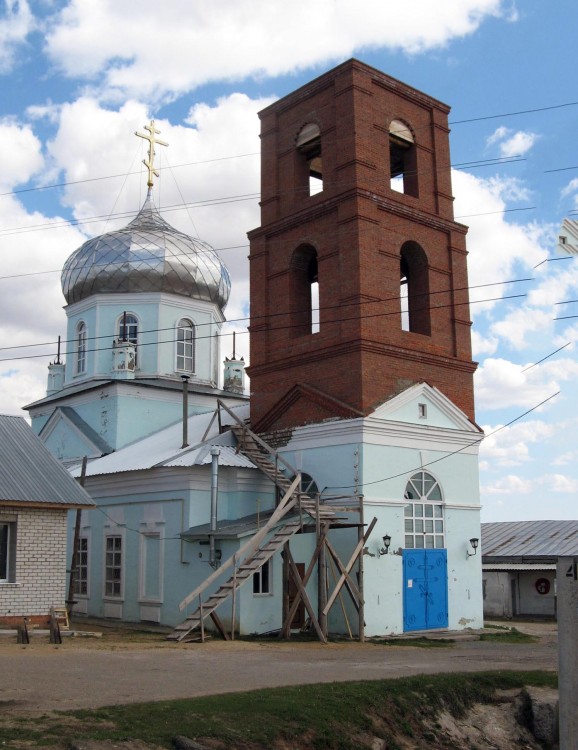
152	132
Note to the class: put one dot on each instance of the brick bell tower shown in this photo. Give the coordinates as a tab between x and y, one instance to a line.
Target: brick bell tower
358	270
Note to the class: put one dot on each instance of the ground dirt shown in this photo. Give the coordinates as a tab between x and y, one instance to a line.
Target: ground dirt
131	666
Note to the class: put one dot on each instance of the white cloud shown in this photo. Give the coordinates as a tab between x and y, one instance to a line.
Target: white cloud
496	247
502	384
511	484
570	188
482	344
16	22
118	48
559	483
24	157
511	445
512	143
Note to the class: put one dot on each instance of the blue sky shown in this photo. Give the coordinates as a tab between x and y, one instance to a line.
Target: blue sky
80	77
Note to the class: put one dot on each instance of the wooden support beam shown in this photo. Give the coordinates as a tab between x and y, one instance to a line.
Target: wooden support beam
286	629
357	551
303	593
349	583
220	627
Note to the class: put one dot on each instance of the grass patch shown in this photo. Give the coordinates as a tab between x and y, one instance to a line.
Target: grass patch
420	642
334	716
511	635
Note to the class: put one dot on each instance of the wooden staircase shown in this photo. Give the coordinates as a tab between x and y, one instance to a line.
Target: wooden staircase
266	542
240	576
267	460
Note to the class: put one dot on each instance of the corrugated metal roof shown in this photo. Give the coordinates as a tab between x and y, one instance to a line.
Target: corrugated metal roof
163	448
518	566
529	539
29	473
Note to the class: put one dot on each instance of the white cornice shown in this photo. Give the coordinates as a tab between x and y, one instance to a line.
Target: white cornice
384	432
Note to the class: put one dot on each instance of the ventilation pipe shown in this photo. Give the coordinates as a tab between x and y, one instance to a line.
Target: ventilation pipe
214	496
185	379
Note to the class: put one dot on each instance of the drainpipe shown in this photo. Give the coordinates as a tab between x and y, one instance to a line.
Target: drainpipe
185	379
214	495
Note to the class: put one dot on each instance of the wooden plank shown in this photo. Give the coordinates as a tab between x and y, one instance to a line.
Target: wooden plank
220	627
304	597
350	584
358	550
286	629
287	502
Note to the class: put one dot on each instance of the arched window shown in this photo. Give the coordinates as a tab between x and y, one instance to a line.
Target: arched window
424	518
304	291
185	345
402	159
414	289
80	353
309	148
128	331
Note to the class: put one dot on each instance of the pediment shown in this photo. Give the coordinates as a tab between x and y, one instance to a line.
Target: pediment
422	404
304	404
67	436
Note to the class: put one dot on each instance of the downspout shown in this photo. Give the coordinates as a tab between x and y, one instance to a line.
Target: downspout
214	496
185	379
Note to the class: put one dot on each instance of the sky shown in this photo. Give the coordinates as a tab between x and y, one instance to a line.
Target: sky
80	76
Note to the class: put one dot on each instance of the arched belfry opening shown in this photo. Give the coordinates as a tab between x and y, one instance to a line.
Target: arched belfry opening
402	159
304	291
381	231
310	158
414	289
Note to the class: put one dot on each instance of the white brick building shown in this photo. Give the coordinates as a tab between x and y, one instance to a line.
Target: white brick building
36	493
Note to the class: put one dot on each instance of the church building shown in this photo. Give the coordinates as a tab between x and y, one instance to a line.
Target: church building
344	492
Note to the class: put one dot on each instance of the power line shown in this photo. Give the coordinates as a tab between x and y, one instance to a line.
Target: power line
257	318
452	453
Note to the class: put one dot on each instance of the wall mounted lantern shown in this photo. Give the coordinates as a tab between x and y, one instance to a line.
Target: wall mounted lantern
474	542
386	542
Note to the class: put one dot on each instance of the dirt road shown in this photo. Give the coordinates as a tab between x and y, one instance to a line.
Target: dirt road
87	674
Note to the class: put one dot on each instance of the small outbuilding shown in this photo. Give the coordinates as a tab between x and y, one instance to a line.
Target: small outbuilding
519	565
36	493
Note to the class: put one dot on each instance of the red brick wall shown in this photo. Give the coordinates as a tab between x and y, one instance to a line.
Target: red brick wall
357	225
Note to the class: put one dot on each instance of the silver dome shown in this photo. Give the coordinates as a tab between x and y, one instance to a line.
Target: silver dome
148	255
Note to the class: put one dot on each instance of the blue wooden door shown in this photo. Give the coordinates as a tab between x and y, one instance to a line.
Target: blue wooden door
425	589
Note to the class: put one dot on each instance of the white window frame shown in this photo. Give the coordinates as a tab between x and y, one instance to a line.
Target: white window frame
185	349
132	322
424	522
82	573
80	353
116	563
263	584
8	551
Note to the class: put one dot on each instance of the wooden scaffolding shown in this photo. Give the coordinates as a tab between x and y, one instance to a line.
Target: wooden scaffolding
296	512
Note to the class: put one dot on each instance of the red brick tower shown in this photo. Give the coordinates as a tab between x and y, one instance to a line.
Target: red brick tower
356	212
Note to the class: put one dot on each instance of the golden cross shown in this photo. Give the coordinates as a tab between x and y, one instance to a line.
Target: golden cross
152	131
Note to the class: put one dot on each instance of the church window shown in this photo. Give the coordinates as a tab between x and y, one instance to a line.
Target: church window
402	159
423	513
414	289
81	343
113	567
128	331
185	345
262	579
309	148
305	292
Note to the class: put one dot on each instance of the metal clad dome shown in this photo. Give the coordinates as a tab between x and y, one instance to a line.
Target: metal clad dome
148	255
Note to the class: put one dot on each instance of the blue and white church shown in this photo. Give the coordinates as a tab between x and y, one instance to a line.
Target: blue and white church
342	495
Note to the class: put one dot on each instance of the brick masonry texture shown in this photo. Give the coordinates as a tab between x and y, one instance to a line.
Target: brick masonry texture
40	563
358	226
